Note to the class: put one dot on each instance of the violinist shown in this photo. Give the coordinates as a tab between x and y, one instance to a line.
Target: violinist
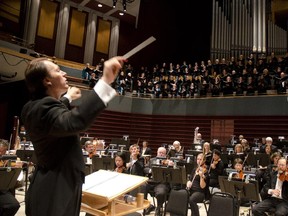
263	173
120	162
216	168
238	166
276	189
198	184
8	203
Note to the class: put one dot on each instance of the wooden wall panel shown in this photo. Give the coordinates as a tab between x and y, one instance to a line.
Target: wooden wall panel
77	28
47	19
103	36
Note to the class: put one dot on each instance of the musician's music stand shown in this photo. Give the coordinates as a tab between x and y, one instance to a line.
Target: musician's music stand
28	156
104	163
8	177
240	189
169	174
194	152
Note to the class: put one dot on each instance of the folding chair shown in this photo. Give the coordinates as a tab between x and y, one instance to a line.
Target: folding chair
177	204
222	203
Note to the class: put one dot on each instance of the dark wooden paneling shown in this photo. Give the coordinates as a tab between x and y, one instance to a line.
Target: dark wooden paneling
160	129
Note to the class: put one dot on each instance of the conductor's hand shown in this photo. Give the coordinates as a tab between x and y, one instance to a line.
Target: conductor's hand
74	93
111	69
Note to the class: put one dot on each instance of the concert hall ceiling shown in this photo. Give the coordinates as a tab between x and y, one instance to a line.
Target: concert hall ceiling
130	16
279	9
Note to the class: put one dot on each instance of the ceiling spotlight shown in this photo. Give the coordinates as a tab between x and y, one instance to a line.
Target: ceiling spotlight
100	5
124	5
114	3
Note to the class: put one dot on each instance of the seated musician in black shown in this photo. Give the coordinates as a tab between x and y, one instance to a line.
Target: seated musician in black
160	190
176	150
216	168
136	164
276	190
263	173
198	185
120	162
268	142
8	203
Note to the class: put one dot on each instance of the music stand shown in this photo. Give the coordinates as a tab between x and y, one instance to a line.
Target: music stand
8	177
28	156
240	189
169	174
194	152
188	166
104	163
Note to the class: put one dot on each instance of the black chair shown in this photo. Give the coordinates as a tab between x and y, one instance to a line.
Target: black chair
222	203
177	204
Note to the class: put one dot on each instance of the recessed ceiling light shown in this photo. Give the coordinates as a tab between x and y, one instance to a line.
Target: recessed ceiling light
100	5
121	13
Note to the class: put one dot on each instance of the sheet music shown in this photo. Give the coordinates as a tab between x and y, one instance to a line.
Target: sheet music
110	184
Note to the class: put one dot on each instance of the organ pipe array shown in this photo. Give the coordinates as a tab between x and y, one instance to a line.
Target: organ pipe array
243	27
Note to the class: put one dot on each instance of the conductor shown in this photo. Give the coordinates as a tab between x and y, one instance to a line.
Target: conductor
56	186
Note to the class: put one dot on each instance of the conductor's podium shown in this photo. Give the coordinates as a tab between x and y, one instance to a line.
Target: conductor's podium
103	193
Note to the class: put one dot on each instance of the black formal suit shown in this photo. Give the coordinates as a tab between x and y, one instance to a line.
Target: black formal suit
137	167
281	205
59	175
148	151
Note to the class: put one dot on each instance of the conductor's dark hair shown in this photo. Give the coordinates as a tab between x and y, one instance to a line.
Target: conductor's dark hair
34	75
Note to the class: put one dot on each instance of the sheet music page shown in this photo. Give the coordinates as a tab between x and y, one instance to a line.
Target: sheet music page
110	184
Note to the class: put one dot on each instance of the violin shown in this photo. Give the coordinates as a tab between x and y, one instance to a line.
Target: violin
121	169
240	174
202	168
214	162
283	176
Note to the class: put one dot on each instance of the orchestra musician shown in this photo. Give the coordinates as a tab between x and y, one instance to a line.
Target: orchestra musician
276	189
136	163
120	162
207	153
54	128
160	190
146	152
216	168
176	150
198	184
9	205
89	148
264	173
238	166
